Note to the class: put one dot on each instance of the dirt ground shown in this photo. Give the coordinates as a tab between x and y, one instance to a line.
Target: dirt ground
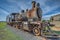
25	35
57	25
55	28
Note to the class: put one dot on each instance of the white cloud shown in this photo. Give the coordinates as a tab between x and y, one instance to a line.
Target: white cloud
24	5
4	14
49	9
19	4
3	11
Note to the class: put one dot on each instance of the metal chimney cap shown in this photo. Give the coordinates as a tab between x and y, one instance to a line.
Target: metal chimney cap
26	9
22	11
34	2
14	13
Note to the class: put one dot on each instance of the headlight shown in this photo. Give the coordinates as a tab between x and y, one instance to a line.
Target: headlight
25	22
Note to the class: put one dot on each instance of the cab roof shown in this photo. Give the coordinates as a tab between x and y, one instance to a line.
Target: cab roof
14	13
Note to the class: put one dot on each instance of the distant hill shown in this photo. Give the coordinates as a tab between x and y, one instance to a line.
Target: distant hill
2	21
55	17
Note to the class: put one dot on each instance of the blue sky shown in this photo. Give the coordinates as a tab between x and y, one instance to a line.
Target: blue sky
49	7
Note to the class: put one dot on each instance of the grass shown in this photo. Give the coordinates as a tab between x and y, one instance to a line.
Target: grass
6	34
2	25
57	32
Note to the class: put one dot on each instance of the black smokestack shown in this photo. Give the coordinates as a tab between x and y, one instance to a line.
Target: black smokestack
33	4
22	11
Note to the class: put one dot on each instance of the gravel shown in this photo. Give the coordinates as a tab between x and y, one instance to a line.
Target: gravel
28	36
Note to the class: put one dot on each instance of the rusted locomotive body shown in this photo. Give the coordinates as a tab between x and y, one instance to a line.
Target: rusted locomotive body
29	20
